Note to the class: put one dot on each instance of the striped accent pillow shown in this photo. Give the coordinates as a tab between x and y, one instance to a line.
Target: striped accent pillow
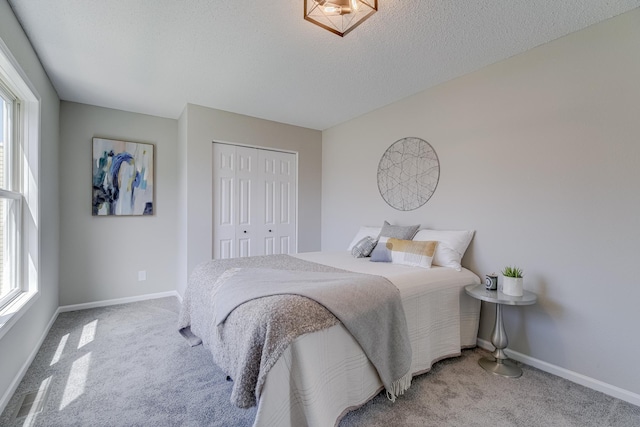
414	253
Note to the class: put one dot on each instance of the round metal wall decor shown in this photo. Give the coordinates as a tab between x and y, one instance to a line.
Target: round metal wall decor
408	173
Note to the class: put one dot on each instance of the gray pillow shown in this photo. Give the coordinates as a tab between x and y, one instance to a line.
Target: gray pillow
364	247
405	232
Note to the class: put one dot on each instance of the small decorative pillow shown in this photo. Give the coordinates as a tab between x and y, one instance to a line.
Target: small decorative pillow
380	252
364	232
408	252
364	247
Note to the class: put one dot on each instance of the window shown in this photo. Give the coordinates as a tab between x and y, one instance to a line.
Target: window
19	177
10	201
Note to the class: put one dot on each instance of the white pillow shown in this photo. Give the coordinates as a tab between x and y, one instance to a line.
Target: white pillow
451	247
364	232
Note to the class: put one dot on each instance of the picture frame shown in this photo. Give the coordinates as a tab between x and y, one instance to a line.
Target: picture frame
122	178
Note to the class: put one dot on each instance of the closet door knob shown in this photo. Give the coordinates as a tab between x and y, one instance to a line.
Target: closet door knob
269	231
245	231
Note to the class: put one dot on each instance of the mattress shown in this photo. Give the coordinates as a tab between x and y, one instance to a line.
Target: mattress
324	374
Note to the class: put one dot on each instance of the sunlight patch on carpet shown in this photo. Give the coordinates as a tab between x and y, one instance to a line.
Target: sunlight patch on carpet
58	354
76	381
88	333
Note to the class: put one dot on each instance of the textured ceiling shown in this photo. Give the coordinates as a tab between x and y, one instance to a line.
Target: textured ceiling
260	58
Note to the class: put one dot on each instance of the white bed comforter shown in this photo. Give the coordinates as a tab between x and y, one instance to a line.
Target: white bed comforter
324	374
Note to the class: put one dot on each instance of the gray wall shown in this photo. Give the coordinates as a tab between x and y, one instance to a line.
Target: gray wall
199	127
540	154
18	344
100	256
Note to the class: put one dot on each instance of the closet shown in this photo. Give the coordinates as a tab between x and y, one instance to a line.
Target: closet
254	201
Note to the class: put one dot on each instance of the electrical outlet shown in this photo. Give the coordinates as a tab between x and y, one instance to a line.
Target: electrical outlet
142	275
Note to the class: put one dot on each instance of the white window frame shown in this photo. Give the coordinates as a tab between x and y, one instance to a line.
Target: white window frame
11	270
24	190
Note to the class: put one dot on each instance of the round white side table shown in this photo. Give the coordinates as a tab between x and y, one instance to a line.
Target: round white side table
500	363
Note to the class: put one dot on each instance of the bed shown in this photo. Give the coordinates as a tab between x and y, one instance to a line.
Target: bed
322	375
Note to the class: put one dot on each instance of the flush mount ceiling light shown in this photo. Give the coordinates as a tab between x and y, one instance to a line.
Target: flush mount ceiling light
339	16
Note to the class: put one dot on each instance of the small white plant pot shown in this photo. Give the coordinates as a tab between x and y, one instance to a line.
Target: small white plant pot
512	286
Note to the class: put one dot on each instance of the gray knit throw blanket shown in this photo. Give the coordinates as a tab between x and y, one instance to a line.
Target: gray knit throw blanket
230	305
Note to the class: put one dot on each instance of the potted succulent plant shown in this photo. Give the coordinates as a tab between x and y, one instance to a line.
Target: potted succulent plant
512	281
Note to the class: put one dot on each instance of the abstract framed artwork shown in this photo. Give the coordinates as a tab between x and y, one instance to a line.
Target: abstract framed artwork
122	178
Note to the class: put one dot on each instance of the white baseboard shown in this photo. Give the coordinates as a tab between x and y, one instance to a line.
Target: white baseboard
179	297
23	370
575	377
105	303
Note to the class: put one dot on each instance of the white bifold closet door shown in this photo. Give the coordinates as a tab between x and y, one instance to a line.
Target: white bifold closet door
254	201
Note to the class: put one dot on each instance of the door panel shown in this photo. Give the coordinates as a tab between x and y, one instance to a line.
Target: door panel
244	202
285	203
284	245
244	244
225	206
269	245
224	196
247	179
225	248
287	177
270	202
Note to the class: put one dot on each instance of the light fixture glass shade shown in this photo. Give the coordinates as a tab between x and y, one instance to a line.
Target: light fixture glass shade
339	16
